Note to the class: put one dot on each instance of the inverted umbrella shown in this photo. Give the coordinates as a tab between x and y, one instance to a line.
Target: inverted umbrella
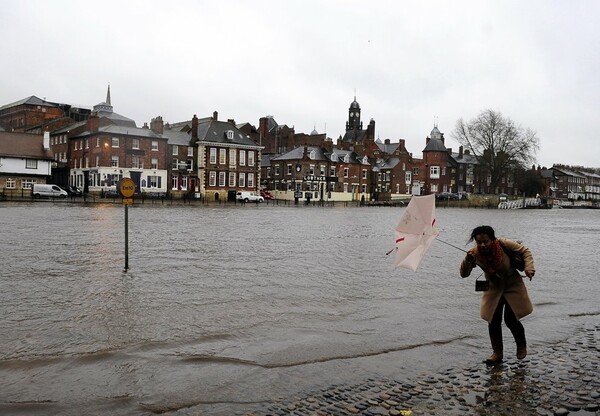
415	231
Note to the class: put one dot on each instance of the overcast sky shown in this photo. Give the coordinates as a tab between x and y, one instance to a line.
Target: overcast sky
410	63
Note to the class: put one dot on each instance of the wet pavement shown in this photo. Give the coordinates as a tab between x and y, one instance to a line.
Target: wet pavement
560	379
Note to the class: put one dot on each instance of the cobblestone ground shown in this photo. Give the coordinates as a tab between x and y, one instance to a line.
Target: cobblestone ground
563	379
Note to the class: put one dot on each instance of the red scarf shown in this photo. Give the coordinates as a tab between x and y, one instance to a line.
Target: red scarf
493	261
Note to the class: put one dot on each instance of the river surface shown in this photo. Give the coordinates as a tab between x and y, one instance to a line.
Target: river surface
224	308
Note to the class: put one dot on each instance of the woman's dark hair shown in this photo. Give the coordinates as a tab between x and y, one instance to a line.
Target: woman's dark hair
483	229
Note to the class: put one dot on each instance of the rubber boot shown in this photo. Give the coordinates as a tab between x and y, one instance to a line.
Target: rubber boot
521	351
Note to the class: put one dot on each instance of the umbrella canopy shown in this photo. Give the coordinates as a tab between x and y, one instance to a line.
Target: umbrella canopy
416	231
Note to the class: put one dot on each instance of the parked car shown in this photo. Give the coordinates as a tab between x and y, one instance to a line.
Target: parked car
266	194
249	197
73	191
446	195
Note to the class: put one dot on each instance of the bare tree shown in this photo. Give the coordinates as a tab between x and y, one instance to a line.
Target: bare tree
499	144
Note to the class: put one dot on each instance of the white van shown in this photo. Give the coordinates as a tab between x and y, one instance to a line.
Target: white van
40	189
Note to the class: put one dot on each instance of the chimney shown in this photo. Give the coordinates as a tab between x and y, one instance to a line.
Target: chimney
449	151
194	128
427	141
157	125
145	126
215	116
231	121
94	122
46	140
387	141
460	152
305	155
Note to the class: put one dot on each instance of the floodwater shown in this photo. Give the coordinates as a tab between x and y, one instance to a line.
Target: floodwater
224	308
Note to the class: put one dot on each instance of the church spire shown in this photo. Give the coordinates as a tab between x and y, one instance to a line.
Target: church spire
108	96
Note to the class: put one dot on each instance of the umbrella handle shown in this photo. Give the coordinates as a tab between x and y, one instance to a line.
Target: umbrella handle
390	251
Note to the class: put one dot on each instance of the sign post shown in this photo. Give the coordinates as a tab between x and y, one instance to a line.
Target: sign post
127	189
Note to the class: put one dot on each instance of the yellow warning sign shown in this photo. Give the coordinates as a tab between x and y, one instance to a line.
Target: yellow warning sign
127	201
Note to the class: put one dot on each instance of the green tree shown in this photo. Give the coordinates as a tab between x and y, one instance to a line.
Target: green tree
500	145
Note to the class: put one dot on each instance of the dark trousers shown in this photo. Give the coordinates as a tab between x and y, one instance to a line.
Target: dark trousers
495	327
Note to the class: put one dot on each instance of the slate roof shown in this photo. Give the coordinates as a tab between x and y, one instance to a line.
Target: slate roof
118	129
387	148
465	159
298	152
435	145
176	137
215	132
31	100
23	145
349	136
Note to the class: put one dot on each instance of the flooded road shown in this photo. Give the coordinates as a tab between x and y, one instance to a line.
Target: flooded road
224	307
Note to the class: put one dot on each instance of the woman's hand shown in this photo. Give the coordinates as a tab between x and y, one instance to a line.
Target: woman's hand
470	257
530	273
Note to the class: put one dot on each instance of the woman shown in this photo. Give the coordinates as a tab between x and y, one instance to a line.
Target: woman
506	292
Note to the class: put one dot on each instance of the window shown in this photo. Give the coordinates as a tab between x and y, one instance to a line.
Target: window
97	161
311	169
153	181
11	183
27	183
154	164
276	170
213	156
408	176
114	162
345	174
232	179
334	157
251	180
364	174
184	181
332	171
222	179
212	178
135	143
155	145
114	142
174	164
363	188
175	150
87	162
346	158
289	169
190	151
232	157
242	158
434	187
31	164
434	172
242	180
322	170
174	182
229	134
222	156
97	141
87	144
415	171
250	158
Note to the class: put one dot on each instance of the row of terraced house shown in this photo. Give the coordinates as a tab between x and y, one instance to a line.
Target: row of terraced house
93	148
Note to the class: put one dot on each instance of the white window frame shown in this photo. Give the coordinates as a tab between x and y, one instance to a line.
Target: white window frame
114	142
242	158
222	156
213	156
175	150
155	145
232	157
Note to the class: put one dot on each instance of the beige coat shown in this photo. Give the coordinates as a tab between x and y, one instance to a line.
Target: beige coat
507	282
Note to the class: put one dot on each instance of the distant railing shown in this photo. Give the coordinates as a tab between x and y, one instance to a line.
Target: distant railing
520	203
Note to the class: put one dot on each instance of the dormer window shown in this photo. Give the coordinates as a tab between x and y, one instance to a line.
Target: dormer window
365	160
312	154
334	157
346	158
229	134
